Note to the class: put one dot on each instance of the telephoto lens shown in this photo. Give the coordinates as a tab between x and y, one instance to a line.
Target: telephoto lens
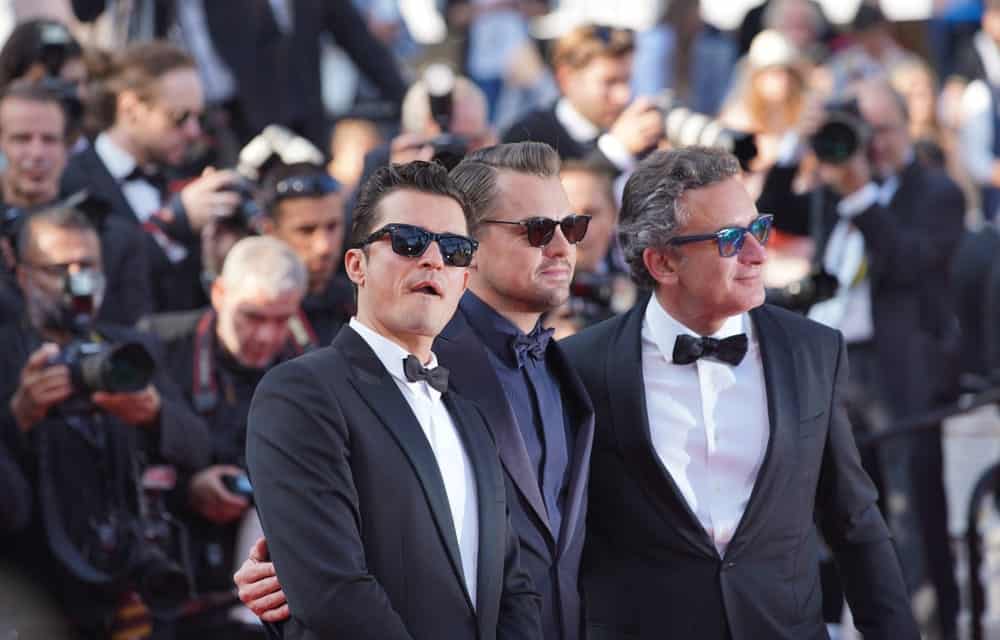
842	133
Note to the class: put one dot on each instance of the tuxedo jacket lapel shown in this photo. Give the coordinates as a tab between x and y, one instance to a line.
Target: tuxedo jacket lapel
376	386
472	376
627	399
102	183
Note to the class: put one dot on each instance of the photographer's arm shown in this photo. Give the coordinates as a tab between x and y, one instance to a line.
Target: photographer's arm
42	386
298	458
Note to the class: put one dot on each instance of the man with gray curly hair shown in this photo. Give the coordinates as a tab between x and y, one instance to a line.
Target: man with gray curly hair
720	440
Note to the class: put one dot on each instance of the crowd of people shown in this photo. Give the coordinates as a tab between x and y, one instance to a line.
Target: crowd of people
538	267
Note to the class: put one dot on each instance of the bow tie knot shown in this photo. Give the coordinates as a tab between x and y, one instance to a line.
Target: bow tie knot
436	377
532	345
154	177
730	350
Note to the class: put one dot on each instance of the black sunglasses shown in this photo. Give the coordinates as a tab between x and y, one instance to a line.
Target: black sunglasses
730	239
542	230
412	242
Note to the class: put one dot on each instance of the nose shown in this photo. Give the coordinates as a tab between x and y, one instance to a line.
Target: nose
192	127
432	258
322	243
558	245
752	251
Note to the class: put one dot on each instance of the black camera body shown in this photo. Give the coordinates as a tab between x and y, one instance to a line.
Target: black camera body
799	296
247	211
842	134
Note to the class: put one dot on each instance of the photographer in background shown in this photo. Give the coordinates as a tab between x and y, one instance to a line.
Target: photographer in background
889	245
84	406
304	208
594	117
34	132
156	96
218	359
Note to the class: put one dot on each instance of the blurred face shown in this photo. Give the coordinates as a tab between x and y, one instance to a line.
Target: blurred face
469	120
589	195
921	98
774	84
797	23
314	229
511	275
599	91
252	323
164	126
698	286
409	300
32	138
52	254
991	23
890	144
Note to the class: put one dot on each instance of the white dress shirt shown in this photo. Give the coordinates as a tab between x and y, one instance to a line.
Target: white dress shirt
142	196
975	135
708	421
442	435
584	131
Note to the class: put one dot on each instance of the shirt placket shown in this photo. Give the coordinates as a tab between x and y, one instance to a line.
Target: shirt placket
708	398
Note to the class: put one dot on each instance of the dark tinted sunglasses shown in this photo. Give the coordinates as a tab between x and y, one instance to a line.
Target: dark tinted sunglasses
411	242
542	230
730	239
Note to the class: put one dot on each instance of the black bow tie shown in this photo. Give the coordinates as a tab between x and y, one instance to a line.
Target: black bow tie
531	346
155	178
731	350
437	377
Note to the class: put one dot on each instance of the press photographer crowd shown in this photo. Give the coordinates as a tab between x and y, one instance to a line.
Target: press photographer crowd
602	333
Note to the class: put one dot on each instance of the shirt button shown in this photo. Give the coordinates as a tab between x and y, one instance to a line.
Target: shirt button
728	565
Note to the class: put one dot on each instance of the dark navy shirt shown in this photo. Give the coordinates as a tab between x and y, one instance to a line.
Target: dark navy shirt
533	392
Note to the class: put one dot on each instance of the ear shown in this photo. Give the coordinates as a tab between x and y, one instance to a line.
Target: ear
218	293
564	77
126	102
662	264
356	266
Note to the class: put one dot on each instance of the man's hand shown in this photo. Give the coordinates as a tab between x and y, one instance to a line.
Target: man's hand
216	241
42	387
640	127
203	201
407	147
258	585
141	408
812	116
848	177
210	498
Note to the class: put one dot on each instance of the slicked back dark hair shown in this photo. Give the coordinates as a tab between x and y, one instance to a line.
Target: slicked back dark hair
424	177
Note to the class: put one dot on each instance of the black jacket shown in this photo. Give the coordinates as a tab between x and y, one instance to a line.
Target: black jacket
649	566
543	126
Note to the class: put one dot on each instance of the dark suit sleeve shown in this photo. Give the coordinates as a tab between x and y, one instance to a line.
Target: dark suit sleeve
520	616
129	296
88	10
851	522
15	499
299	461
902	253
777	197
351	33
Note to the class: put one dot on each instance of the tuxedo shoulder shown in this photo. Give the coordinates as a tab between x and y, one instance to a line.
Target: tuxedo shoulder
530	123
318	365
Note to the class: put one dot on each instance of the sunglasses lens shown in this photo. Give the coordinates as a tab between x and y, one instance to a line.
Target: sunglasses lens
730	242
761	229
409	241
575	228
456	250
540	231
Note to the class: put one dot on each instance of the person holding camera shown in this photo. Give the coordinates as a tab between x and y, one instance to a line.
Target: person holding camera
155	96
886	228
89	406
304	208
34	130
218	358
594	117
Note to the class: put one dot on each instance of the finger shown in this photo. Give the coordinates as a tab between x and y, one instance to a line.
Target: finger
260	588
234	503
252	574
50	374
41	357
279	614
268	602
259	550
223	201
51	394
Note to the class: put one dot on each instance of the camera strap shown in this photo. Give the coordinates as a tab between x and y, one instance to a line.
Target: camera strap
205	387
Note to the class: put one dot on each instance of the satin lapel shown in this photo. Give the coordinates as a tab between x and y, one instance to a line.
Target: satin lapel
781	385
578	408
105	185
627	397
492	514
374	384
472	376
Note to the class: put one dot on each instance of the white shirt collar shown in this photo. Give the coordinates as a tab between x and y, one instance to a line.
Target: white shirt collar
664	329
391	355
118	161
576	125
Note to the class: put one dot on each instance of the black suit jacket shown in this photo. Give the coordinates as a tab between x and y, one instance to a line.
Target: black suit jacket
909	245
543	126
649	567
173	287
354	507
554	565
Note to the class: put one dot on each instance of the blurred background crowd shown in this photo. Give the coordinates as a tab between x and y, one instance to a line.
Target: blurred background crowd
142	140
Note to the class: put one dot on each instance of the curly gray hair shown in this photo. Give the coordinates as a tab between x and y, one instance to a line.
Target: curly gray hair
652	210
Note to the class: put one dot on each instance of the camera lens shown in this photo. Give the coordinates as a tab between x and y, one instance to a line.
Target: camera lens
121	369
836	141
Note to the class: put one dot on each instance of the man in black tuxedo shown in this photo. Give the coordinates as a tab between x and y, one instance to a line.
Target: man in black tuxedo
500	356
888	230
593	119
380	491
715	457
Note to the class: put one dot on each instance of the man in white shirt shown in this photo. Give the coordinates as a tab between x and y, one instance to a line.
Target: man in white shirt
380	493
721	440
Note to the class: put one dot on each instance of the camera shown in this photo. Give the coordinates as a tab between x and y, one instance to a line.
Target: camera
818	286
842	134
685	128
238	485
247	211
449	149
